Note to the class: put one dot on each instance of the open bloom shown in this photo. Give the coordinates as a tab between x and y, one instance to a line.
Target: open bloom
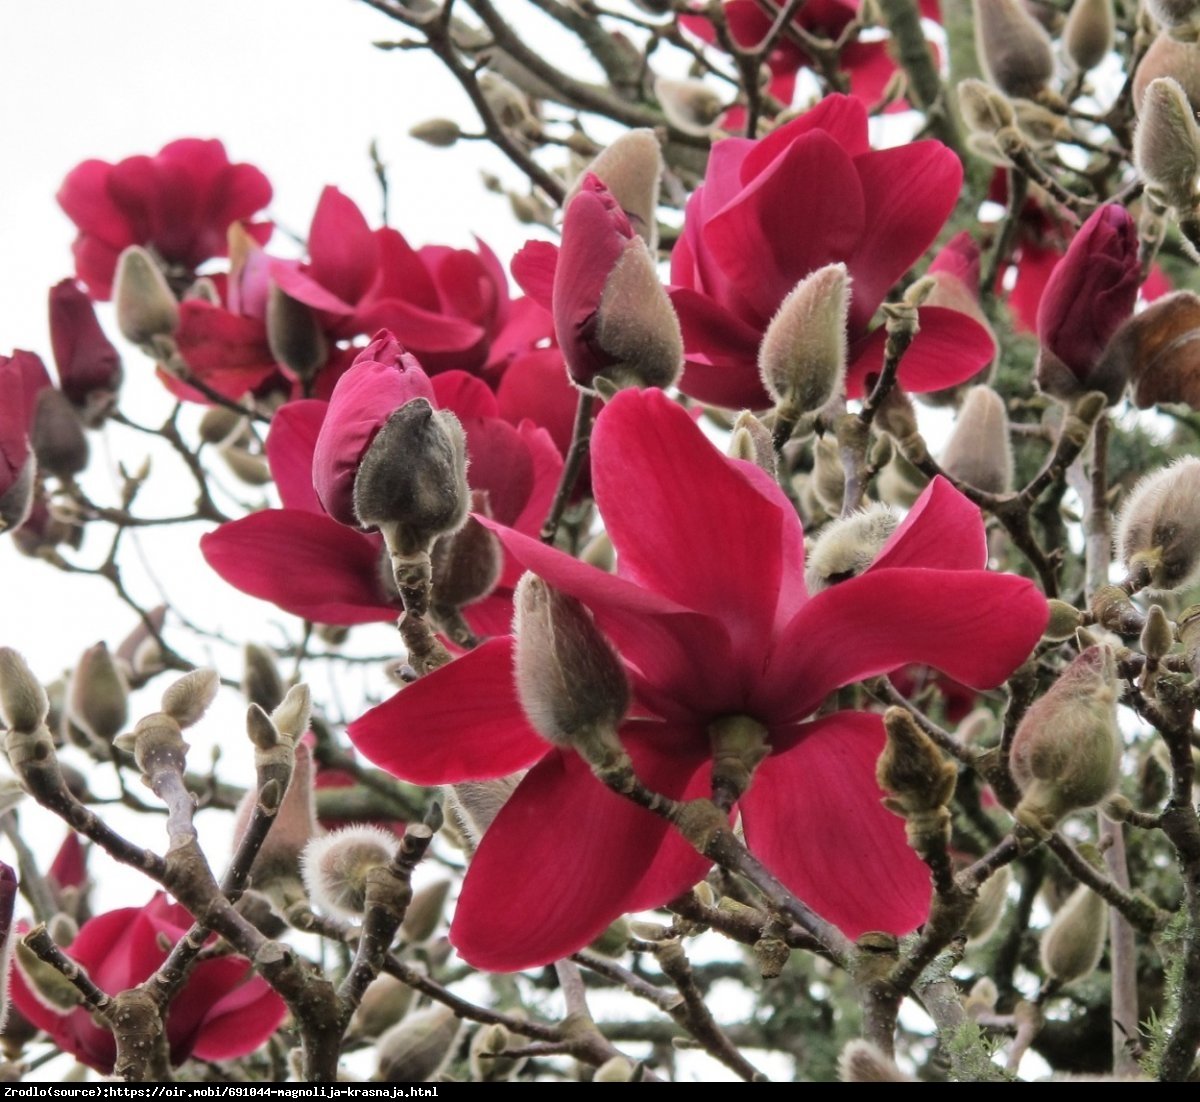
759	224
710	614
180	202
222	1012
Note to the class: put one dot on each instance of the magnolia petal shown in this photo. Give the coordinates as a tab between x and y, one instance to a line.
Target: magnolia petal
943	530
290	446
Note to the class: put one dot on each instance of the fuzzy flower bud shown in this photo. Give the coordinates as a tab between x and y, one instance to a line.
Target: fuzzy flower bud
97	701
1013	47
57	435
475	805
631	168
187	698
845	547
1089	294
414	1050
1166	144
295	336
1073	943
802	358
23	702
336	868
439	133
863	1062
989	906
1067	750
984	109
570	680
690	105
261	680
979	451
1160	526
424	913
919	780
1064	619
1156	349
145	306
1169	57
1088	35
1169	14
292	715
466	563
486	1059
1158	636
383	1004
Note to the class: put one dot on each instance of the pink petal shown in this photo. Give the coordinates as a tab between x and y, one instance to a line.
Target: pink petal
943	530
290	446
240	1011
310	566
533	268
814	817
500	464
722	353
85	199
975	626
535	386
228	352
304	288
547	471
344	252
565	857
465	395
842	118
461	722
402	273
949	349
428	335
464	284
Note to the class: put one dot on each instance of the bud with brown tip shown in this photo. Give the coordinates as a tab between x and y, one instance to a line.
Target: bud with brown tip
846	546
802	358
1088	35
295	336
1013	47
97	700
414	1050
1159	527
570	680
336	867
1166	145
145	306
979	451
1067	750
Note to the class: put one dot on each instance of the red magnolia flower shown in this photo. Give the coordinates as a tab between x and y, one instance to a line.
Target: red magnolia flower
222	1012
759	224
309	564
22	376
89	367
710	613
180	202
1090	293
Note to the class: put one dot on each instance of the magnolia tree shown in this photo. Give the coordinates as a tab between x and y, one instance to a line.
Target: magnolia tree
794	667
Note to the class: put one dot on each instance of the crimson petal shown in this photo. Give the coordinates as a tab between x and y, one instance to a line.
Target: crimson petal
943	530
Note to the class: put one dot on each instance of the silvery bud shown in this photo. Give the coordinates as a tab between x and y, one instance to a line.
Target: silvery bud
751	442
1168	57
486	1058
23	702
1013	47
979	451
145	306
1166	144
1159	527
828	476
631	168
690	105
414	1050
219	425
261	680
383	1004
291	717
1073	943
439	133
336	867
984	109
98	698
570	680
1088	35
1158	636
989	906
295	335
1067	750
188	697
425	911
802	358
845	547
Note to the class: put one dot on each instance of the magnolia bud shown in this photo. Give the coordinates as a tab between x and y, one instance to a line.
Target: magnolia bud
1168	57
219	424
17	498
204	289
615	1070
802	358
476	804
335	867
979	452
440	133
1158	636
984	109
1174	13
690	105
1156	349
845	547
425	911
751	442
295	336
23	702
919	780
57	435
279	856
98	697
508	103
1166	144
383	1004
989	906
261	681
1088	35
45	982
614	940
829	476
466	564
188	698
486	1059
412	481
247	466
414	1050
863	1062
1159	527
570	680
145	306
1064	619
1013	47
292	716
631	168
1067	750
1073	943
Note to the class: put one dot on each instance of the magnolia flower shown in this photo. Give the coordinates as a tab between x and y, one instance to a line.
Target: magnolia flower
710	614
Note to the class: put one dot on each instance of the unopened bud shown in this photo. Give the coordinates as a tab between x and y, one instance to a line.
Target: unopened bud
261	680
1166	144
57	435
295	335
918	779
466	564
1013	47
204	290
982	997
440	133
984	109
802	358
845	547
1064	619
1073	943
188	698
976	727
219	425
979	452
145	306
295	823
614	940
486	1058
1088	35
383	1004
1158	635
1159	526
631	168
98	697
1156	350
45	982
1168	57
247	466
335	867
292	716
570	680
751	442
411	483
425	911
690	105
476	804
829	476
1067	750
989	906
414	1050
617	1069
863	1062
1170	14
23	702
